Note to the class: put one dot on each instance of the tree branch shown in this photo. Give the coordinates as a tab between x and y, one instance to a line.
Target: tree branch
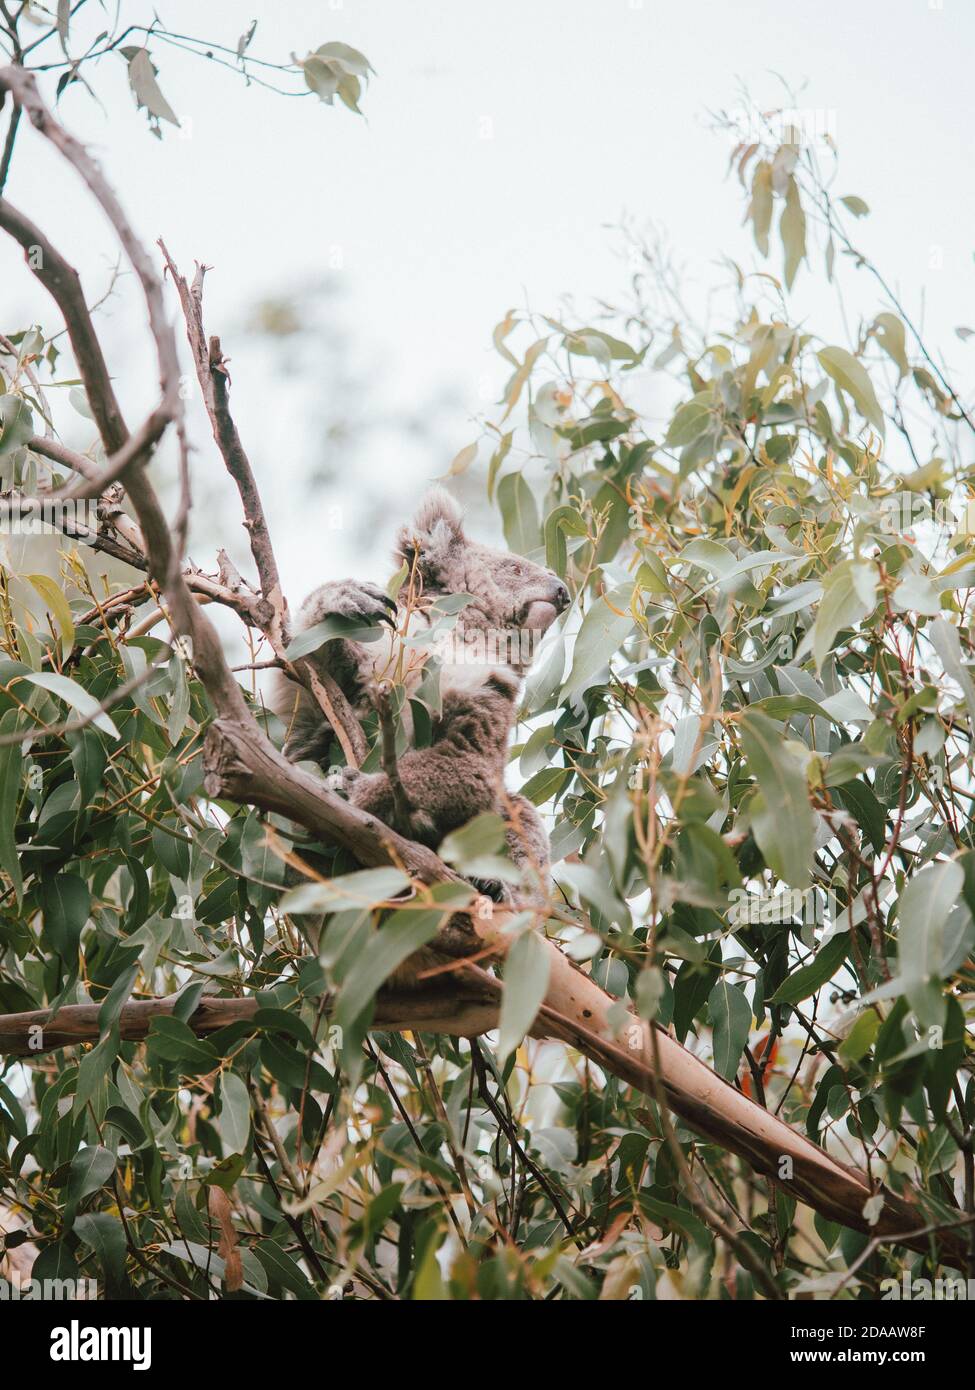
214	382
214	379
461	1012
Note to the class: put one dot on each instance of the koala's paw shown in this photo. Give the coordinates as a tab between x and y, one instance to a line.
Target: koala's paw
342	780
351	599
423	827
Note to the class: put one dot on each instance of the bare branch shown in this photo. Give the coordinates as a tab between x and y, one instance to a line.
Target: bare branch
137	449
8	146
63	284
461	1011
214	381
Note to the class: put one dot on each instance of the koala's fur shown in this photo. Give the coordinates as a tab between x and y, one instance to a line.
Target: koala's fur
461	773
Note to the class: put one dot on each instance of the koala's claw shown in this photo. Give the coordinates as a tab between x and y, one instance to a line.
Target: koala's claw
342	780
371	602
363	602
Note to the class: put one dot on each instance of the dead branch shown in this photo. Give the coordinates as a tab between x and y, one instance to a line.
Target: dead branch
214	381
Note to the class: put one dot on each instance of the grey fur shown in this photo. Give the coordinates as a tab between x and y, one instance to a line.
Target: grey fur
461	773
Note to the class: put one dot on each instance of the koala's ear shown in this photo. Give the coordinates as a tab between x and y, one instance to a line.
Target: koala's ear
433	532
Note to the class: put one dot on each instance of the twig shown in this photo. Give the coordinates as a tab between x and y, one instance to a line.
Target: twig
8	146
402	809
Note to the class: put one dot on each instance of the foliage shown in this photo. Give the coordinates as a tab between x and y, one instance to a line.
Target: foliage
753	735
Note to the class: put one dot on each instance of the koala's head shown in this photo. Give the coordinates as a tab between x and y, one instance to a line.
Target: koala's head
510	594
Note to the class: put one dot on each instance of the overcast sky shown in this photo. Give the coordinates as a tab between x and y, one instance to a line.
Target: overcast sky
499	143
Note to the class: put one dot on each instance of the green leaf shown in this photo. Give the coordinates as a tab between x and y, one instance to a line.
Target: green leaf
944	638
690	420
66	906
56	1261
792	229
330	629
526	974
760	207
88	760
546	784
519	514
234	1120
72	694
916	594
173	1041
595	342
851	376
90	1169
54	598
805	981
604	629
16	423
497	459
782	819
860	1039
405	932
127	1124
142	77
731	1019
855	205
362	889
282	1271
922	911
93	1068
478	848
11	763
104	1234
112	1004
890	334
846	599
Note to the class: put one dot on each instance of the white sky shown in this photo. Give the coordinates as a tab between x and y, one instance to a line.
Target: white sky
596	107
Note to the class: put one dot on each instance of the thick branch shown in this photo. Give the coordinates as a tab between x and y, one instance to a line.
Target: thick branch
241	765
62	282
462	1012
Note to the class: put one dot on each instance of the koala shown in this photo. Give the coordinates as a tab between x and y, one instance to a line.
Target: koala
461	773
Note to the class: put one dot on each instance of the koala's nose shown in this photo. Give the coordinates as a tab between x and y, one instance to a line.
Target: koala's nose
561	598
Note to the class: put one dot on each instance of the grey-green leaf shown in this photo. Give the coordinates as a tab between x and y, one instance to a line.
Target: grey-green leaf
851	376
731	1018
234	1122
782	819
922	912
526	975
